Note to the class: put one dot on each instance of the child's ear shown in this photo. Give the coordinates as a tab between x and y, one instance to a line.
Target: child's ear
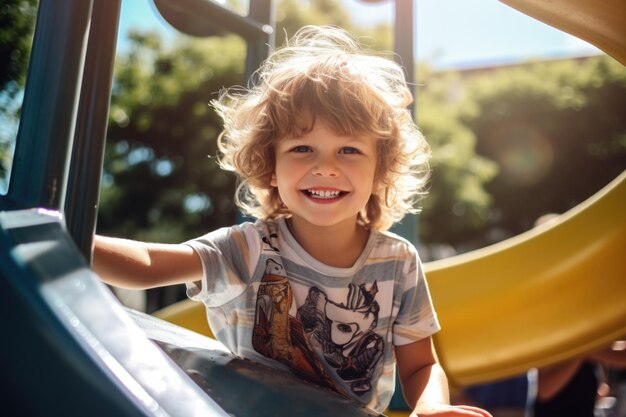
273	181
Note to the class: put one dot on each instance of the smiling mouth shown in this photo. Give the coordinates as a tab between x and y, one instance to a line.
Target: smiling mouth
324	194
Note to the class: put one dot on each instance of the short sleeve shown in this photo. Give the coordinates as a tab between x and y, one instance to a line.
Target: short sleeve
223	254
416	317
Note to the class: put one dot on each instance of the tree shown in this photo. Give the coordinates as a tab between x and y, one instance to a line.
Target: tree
557	132
291	15
17	23
457	203
161	181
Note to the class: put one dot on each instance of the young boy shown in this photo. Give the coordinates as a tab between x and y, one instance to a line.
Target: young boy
329	158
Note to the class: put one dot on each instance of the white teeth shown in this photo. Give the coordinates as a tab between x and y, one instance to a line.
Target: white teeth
323	194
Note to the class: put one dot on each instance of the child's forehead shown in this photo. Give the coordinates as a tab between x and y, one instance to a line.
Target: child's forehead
312	127
311	120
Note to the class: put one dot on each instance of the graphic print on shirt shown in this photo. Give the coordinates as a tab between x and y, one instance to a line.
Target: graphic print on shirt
344	331
341	330
277	334
268	241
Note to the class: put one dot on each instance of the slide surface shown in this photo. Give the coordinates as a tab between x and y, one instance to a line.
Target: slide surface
554	292
600	23
551	293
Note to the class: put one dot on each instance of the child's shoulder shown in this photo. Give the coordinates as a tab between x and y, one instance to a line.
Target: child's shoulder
392	242
245	229
256	229
260	226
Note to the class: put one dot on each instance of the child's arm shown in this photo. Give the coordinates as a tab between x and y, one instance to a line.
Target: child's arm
132	264
424	382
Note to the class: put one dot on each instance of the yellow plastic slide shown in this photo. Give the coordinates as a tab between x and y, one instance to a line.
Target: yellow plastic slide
189	314
600	23
554	292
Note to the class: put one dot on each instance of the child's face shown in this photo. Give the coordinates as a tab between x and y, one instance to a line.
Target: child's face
323	178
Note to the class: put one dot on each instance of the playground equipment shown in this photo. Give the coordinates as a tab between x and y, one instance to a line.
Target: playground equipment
547	295
72	349
599	23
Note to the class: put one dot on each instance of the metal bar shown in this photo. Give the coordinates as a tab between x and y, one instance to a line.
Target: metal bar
208	18
50	101
261	11
404	30
91	125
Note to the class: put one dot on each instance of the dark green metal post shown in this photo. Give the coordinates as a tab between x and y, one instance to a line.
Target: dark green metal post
91	124
404	30
40	165
208	18
259	47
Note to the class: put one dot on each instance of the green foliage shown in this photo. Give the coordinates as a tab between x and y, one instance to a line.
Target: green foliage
457	203
555	129
291	15
161	180
17	23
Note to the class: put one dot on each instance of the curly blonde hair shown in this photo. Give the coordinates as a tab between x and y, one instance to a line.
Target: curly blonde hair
323	73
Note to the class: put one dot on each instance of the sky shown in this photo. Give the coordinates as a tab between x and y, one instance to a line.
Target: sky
472	32
450	33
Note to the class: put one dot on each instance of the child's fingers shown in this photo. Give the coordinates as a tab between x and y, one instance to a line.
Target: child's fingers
453	411
478	412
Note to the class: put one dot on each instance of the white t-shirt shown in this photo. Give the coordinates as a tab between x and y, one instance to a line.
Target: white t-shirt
269	301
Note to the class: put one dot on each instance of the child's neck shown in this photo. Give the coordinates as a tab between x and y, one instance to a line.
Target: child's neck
339	246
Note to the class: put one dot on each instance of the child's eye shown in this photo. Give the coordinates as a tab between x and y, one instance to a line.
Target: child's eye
301	148
349	150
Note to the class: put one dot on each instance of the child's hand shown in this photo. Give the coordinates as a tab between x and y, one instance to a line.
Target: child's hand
443	410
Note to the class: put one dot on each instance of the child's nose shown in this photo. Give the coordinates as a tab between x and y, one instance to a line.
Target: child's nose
325	167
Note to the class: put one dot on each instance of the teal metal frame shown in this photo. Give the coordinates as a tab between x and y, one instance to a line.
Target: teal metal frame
85	166
39	172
